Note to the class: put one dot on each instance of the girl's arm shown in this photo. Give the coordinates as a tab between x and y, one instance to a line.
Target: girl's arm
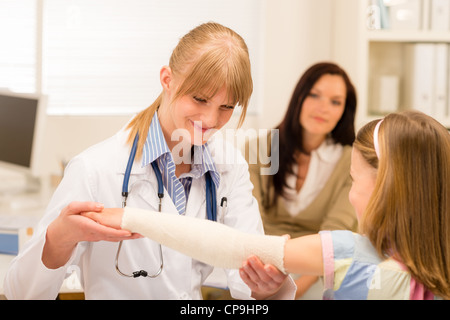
217	244
303	255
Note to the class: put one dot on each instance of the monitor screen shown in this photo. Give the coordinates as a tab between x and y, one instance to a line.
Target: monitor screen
19	127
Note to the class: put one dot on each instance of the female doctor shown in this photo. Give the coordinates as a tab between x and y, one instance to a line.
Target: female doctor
208	75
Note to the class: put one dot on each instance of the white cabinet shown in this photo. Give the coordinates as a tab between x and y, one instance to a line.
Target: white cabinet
403	66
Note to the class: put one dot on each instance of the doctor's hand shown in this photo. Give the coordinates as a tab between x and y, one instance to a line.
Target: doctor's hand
263	280
70	227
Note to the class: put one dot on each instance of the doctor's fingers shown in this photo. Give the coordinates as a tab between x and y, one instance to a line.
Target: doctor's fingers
261	277
78	207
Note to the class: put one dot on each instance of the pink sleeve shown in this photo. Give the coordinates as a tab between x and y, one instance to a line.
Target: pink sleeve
417	290
328	260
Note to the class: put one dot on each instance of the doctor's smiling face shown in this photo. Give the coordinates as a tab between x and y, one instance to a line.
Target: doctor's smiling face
196	115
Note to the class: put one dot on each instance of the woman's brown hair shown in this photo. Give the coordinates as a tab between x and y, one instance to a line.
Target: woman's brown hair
408	215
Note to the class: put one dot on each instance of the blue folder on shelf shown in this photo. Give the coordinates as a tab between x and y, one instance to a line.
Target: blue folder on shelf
9	243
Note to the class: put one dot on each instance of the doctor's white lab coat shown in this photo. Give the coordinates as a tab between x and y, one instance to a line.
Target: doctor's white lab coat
97	175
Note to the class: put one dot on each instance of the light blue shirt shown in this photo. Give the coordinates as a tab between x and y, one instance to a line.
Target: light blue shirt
156	148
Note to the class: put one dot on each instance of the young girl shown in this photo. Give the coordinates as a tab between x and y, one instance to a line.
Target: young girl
401	193
208	75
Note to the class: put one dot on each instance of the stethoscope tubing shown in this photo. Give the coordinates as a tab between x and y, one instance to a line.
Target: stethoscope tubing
126	180
211	206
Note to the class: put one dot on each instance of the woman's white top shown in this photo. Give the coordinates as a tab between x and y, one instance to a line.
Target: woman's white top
322	163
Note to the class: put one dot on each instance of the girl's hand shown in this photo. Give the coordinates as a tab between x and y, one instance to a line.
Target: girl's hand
110	217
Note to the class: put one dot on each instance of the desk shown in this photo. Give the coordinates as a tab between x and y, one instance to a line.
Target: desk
24	210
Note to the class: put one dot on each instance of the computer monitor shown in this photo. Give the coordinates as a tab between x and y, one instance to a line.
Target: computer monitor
21	125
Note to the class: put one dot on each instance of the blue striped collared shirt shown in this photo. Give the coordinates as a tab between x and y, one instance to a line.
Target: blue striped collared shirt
156	148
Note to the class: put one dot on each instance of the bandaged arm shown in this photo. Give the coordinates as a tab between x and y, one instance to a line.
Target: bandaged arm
210	242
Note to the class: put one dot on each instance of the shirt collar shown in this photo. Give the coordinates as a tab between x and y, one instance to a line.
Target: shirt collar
329	151
155	146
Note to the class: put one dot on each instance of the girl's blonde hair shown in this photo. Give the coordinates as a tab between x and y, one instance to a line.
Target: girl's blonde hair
206	59
408	215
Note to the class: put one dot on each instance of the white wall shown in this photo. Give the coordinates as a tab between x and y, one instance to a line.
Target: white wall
66	136
298	34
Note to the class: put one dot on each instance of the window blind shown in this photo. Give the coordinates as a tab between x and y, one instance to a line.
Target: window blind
18	45
104	56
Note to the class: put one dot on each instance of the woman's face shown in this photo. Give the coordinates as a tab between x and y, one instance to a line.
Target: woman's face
324	105
363	177
194	116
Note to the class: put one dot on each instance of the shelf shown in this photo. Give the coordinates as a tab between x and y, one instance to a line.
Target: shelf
407	36
382	55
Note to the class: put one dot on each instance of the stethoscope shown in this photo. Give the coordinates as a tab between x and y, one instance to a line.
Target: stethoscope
211	207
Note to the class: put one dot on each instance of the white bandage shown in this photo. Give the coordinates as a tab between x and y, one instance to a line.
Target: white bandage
209	242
